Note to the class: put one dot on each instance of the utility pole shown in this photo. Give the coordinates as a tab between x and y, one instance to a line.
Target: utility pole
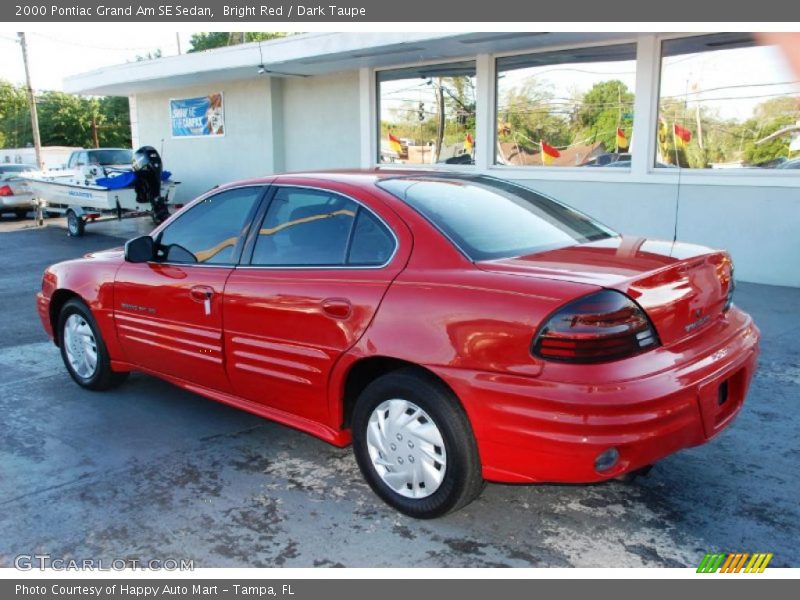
178	39
37	142
439	121
95	137
699	126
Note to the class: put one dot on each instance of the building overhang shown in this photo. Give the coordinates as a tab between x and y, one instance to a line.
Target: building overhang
312	54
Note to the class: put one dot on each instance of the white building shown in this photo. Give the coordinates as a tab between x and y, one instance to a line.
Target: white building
313	101
53	157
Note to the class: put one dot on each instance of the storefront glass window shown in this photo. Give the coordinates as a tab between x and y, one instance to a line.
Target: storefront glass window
427	115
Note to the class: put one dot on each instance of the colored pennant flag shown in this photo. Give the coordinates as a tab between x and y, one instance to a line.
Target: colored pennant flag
682	135
549	153
469	143
622	140
394	144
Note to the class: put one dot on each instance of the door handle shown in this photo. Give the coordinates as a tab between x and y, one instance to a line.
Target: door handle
338	308
202	294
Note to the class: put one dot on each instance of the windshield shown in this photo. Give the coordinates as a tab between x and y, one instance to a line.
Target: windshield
111	156
488	218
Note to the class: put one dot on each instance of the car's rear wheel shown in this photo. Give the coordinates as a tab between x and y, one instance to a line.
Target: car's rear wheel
414	445
83	350
21	213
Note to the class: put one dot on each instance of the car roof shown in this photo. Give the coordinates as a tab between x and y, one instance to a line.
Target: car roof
354	176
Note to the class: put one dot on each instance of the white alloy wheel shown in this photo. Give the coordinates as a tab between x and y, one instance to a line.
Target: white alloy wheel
406	448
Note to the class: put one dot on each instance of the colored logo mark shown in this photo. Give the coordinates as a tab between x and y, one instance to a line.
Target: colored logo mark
735	562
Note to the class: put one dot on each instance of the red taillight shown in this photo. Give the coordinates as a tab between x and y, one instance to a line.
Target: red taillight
600	327
6	191
731	289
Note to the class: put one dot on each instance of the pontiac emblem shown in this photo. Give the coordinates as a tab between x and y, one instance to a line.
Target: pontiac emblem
698	312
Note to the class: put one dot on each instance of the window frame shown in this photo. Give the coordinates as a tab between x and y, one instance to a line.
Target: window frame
246	258
242	238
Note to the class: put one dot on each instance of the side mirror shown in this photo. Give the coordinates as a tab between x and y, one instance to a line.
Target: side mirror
141	249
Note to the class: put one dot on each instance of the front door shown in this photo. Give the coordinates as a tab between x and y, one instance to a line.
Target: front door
168	312
321	263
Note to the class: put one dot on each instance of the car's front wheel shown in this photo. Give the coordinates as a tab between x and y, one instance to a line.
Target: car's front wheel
414	445
83	350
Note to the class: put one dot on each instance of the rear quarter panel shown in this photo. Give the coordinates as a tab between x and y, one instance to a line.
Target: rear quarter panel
461	319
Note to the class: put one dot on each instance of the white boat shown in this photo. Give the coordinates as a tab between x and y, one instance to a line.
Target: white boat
90	182
59	189
110	181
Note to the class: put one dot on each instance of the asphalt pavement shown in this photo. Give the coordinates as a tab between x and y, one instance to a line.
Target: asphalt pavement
149	471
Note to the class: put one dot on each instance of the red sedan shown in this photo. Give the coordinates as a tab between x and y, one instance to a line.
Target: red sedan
455	328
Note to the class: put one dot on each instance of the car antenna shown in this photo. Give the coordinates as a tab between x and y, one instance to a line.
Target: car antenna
678	192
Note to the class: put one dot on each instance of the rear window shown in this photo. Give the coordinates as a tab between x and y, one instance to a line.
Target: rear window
488	218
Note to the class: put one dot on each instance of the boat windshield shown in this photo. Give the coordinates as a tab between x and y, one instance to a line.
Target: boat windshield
110	156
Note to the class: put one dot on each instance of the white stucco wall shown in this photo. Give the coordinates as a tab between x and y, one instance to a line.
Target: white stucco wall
321	122
246	149
272	125
757	225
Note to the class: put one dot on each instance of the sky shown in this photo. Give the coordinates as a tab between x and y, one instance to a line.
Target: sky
55	54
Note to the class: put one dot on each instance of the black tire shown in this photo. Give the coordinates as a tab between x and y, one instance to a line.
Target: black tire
103	377
462	481
21	213
75	224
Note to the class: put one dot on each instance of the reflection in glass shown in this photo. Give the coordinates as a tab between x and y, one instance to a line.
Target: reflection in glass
726	102
569	108
427	114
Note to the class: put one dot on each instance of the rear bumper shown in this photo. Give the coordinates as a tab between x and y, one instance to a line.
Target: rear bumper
16	201
543	429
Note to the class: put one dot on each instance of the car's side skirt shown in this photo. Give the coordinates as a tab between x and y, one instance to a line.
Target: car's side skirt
339	438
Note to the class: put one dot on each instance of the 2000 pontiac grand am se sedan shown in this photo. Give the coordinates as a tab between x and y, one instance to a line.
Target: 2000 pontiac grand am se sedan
454	328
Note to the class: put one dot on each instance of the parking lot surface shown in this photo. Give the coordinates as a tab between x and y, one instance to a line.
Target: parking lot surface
149	471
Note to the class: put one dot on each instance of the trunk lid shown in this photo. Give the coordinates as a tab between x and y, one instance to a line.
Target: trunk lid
682	287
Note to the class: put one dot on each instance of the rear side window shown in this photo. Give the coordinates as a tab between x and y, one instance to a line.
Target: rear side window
372	243
210	232
315	228
487	218
305	228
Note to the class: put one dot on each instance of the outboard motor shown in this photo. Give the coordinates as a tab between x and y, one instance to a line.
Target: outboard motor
148	167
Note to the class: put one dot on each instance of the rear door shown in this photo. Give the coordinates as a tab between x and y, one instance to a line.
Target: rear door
168	313
321	262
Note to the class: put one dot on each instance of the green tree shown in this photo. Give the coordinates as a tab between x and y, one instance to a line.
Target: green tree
530	113
64	119
15	118
768	117
207	40
605	107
